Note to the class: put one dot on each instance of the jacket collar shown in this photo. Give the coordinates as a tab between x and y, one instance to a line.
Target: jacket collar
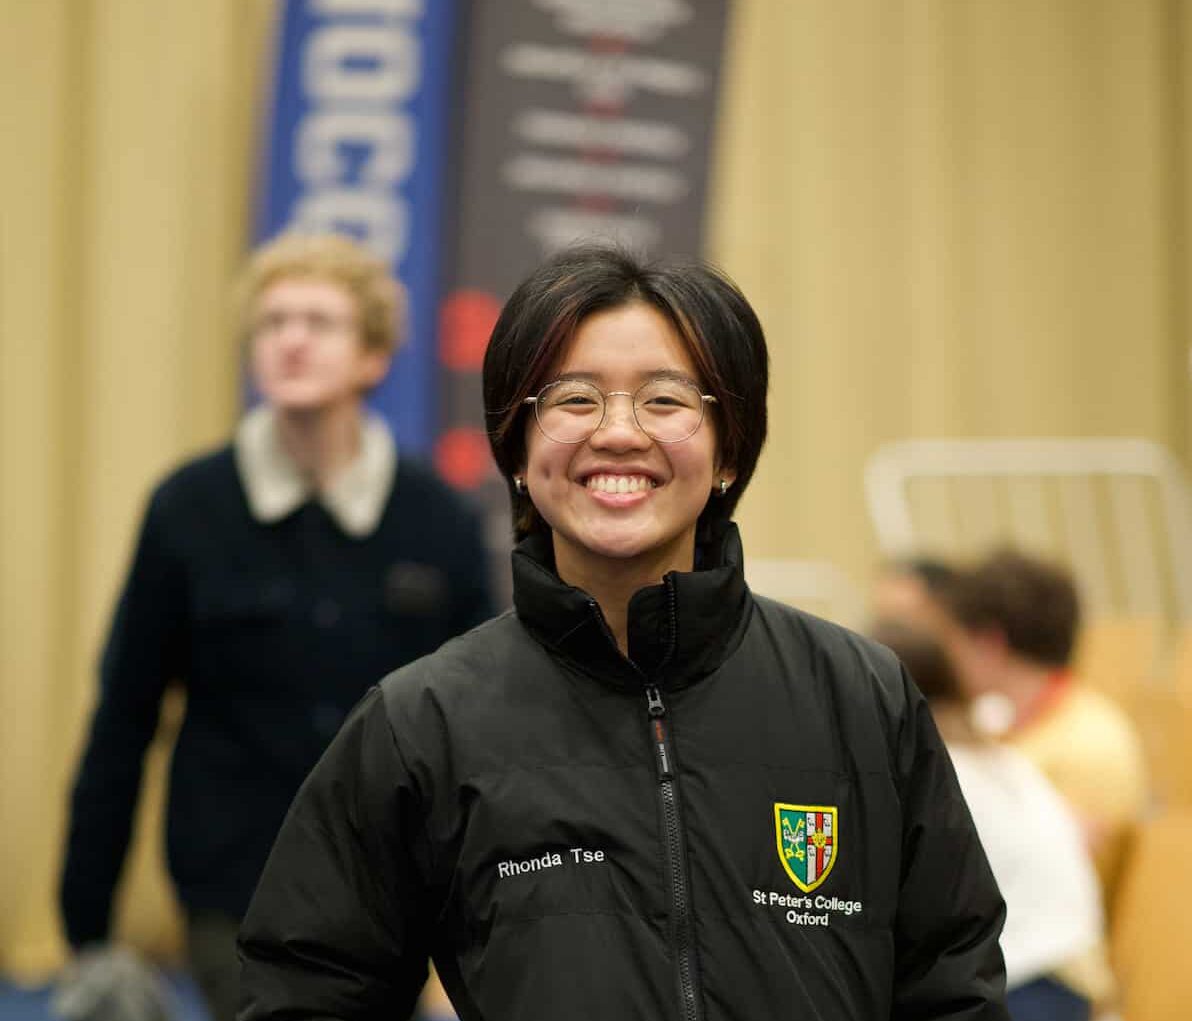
275	487
679	631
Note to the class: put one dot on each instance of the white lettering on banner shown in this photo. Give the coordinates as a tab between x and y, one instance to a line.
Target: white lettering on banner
642	21
362	63
357	145
633	182
408	8
381	222
655	139
603	77
611	174
388	138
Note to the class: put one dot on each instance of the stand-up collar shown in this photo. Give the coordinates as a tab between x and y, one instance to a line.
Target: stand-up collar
679	631
276	487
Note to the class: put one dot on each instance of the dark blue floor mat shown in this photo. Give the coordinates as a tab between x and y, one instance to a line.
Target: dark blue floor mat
20	1003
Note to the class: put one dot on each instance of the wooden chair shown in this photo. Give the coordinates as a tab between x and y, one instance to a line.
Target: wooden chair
1152	921
1180	670
1117	656
1164	720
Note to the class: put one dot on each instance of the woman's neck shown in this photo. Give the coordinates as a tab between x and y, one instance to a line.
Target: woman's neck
612	583
321	442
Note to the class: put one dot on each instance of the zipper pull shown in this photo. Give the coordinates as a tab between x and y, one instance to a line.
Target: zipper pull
658	732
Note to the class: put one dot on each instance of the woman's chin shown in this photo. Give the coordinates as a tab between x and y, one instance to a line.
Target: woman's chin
622	545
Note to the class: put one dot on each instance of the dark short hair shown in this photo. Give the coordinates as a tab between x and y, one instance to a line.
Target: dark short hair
924	658
1032	602
935	574
708	311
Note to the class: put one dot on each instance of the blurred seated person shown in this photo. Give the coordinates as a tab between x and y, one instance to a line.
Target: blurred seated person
1054	937
908	592
275	579
1014	621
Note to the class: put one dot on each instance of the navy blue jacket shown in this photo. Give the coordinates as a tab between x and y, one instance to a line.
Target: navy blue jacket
275	631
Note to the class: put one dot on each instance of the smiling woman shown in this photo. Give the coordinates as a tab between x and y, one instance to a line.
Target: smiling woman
619	460
577	808
619	493
694	322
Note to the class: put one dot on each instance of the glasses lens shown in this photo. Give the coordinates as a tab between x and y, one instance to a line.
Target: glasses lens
668	410
570	410
315	322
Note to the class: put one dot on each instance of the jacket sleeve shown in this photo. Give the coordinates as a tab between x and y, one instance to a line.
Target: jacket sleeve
338	925
143	651
948	962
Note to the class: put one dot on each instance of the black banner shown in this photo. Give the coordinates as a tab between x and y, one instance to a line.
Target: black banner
576	120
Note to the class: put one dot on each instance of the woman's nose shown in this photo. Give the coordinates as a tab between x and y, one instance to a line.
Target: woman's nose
619	425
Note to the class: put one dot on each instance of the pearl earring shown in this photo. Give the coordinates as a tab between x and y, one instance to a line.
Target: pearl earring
723	486
519	485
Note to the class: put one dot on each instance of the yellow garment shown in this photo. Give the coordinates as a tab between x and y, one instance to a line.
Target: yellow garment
1087	747
1090	975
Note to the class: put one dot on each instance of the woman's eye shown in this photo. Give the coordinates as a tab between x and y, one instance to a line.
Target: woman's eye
670	401
573	402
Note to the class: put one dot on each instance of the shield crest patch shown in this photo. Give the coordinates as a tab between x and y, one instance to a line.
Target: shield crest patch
808	842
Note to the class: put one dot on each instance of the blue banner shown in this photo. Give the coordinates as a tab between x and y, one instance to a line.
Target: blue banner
355	143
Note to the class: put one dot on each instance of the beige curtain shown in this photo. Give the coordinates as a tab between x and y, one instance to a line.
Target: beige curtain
128	128
956	218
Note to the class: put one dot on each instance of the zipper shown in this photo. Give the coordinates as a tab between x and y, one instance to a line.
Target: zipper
684	937
605	629
676	859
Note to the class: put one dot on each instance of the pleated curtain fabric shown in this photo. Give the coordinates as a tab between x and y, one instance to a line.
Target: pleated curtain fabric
955	219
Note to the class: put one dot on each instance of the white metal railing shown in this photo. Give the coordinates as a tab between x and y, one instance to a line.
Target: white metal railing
1118	511
817	586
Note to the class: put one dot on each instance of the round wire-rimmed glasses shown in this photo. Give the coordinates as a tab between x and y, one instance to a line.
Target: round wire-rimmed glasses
667	409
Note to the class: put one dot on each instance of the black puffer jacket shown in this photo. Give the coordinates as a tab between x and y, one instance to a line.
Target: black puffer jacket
754	819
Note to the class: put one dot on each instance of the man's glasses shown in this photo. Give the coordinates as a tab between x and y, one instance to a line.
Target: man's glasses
667	410
314	322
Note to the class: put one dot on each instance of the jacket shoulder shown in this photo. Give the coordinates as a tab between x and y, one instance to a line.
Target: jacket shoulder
854	672
468	667
200	477
418	483
840	648
454	709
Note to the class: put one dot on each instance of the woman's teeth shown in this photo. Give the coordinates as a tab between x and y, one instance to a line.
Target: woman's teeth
620	483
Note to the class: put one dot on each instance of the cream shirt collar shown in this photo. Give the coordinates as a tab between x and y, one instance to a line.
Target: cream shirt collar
276	488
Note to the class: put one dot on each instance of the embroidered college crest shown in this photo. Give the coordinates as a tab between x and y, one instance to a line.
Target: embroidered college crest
808	839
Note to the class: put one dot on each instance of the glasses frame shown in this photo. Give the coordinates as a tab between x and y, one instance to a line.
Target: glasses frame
536	402
313	322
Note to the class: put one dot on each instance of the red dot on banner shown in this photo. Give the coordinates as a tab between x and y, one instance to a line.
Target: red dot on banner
462	457
468	317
